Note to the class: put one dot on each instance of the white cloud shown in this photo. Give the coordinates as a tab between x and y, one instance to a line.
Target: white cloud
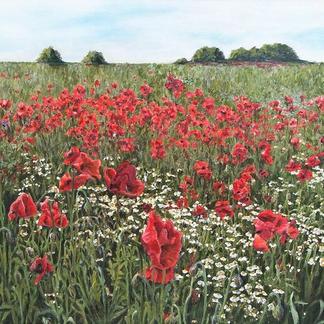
156	31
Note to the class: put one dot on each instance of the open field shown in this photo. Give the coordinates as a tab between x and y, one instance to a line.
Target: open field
221	82
161	194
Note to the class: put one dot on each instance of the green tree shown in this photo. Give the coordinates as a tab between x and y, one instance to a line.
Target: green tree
94	58
278	52
240	54
208	54
181	61
274	52
50	56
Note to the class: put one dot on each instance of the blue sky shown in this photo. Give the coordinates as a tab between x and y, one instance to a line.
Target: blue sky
157	30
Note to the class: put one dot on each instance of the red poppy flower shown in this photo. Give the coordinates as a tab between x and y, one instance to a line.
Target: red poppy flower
159	276
219	187
304	175
146	207
22	207
122	181
239	153
267	216
52	216
200	211
295	141
66	182
174	85
71	156
126	144
42	267
313	161
146	90
223	208
162	243
266	152
182	202
291	232
268	224
157	149
241	189
260	244
293	166
85	165
202	169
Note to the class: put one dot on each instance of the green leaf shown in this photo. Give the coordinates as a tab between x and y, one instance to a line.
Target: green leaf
293	310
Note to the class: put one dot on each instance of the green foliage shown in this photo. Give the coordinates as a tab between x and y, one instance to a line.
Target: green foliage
240	54
208	54
268	52
94	58
181	61
50	56
278	52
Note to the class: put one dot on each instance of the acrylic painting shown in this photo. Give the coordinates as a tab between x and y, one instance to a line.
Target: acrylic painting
161	161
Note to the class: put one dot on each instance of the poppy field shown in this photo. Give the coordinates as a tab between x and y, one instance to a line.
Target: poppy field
161	194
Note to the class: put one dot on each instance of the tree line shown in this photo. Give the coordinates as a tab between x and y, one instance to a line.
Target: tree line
268	52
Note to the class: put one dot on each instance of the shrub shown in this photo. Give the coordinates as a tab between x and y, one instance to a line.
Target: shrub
181	61
240	54
94	58
208	54
50	56
273	52
278	52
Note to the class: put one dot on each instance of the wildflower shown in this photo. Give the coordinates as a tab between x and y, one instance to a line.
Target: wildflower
51	215
22	207
202	169
146	90
123	181
200	211
239	153
313	161
67	183
304	175
162	243
157	149
85	165
72	155
42	267
223	208
260	244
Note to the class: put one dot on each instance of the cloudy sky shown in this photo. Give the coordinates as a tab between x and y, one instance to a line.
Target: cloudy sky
157	30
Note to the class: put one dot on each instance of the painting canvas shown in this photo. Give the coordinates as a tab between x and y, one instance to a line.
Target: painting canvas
161	161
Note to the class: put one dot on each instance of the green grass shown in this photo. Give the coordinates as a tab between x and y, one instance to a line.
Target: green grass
222	82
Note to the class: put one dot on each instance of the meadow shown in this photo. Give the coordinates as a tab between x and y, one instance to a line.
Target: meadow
158	193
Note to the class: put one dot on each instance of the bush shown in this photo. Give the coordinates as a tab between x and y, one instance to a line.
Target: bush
50	56
208	54
268	52
94	58
278	52
240	54
181	61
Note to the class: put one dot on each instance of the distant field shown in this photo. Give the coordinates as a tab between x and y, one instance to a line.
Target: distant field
18	81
